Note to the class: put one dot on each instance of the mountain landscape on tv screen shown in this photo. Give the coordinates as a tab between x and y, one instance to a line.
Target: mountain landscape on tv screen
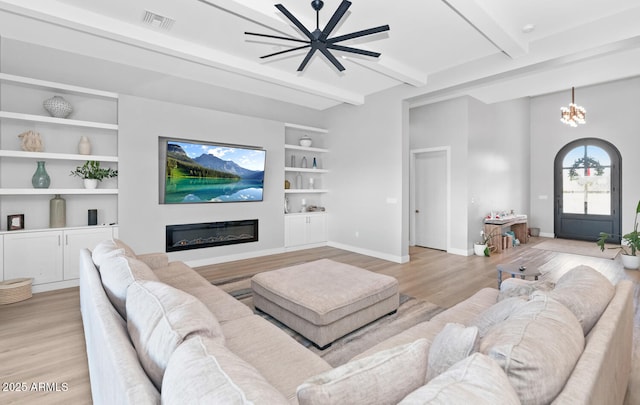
208	178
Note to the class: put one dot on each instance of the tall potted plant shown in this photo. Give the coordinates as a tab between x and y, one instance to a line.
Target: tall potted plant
91	172
630	244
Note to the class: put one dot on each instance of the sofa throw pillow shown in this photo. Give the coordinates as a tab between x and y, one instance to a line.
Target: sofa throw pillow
203	371
104	250
586	292
159	318
537	346
382	378
514	287
455	342
117	273
127	249
476	380
496	313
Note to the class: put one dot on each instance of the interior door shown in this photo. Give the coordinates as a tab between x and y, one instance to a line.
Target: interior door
587	190
430	200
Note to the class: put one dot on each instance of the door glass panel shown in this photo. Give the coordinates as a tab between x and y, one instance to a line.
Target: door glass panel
586	185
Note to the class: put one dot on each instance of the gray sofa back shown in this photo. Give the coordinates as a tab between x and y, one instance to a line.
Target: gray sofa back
116	374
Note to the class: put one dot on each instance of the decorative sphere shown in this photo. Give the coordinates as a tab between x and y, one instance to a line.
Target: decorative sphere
305	141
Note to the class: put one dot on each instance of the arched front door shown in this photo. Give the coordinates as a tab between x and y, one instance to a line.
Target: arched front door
587	190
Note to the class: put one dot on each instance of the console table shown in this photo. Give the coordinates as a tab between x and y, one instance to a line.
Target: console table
517	224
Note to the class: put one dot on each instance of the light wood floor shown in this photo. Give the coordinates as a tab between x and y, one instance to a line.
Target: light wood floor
42	341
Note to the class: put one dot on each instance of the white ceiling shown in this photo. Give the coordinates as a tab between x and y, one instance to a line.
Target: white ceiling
437	49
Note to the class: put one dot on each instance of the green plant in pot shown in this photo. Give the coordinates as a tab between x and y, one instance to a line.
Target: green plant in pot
483	247
630	244
91	172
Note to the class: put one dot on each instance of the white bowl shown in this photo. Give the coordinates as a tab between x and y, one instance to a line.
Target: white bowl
305	141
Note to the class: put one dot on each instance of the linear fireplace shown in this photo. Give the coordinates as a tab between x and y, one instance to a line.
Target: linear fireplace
208	234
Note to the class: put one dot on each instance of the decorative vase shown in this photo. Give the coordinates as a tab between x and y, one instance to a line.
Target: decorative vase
58	107
84	146
293	160
315	164
40	178
57	212
306	141
303	164
298	181
479	249
90	183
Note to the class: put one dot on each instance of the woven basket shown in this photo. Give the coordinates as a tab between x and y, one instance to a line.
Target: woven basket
18	289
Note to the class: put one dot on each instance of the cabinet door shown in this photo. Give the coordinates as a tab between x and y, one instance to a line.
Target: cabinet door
316	230
294	230
1	257
76	239
33	254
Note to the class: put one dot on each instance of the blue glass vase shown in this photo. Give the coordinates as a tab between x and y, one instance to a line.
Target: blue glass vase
40	178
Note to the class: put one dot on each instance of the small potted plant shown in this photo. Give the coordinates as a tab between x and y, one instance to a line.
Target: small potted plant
630	244
92	173
483	248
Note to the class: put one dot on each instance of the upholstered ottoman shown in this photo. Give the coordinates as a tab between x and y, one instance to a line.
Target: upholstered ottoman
324	300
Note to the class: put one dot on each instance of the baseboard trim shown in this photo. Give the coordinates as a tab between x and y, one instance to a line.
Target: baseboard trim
547	235
55	286
460	252
372	253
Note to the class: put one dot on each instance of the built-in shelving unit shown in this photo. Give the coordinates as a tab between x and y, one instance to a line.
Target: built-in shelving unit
95	116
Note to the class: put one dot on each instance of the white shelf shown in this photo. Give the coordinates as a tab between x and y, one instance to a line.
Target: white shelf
306	128
51	191
305	191
58	121
306	148
56	87
307	213
59	156
303	170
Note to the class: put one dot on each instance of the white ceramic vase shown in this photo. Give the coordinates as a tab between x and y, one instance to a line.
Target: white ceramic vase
84	146
630	262
479	249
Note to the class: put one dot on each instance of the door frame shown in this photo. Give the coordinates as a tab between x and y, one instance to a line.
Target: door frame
412	191
616	181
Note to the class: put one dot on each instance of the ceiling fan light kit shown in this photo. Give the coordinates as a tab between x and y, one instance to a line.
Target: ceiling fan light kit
319	40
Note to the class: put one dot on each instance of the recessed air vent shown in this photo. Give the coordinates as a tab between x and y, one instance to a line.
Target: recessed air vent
157	20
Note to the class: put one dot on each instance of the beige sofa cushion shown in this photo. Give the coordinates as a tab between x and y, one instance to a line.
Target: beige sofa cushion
117	273
476	380
204	371
537	346
159	318
104	250
586	292
496	313
454	343
383	378
516	287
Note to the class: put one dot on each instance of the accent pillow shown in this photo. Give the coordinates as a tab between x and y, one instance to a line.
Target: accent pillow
127	249
117	273
538	347
159	318
514	287
382	378
476	380
586	292
455	342
496	313
203	371
104	250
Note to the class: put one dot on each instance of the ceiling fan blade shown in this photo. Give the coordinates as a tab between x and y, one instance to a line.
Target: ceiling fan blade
285	51
294	20
358	34
353	50
276	37
335	19
331	58
307	58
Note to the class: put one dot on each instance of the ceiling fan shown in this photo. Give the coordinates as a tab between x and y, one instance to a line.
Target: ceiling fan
319	40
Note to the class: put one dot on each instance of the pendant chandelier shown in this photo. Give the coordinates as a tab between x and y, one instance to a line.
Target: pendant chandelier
574	114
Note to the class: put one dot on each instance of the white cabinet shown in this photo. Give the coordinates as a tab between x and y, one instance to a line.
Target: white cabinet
95	116
305	229
51	258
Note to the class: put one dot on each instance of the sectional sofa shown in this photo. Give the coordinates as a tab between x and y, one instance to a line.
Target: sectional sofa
156	331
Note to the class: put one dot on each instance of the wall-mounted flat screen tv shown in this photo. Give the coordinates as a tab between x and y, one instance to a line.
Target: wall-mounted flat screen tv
209	172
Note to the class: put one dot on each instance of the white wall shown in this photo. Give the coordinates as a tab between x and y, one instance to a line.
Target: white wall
612	111
489	158
368	184
142	219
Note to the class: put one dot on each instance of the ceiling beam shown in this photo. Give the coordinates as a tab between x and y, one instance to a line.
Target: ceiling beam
393	69
488	27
